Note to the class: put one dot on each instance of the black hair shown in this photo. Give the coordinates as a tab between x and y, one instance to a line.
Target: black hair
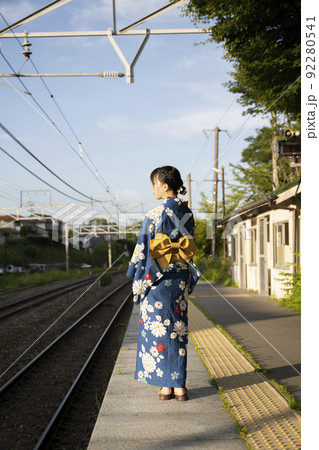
171	176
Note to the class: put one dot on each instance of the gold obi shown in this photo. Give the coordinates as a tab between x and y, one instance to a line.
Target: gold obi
166	251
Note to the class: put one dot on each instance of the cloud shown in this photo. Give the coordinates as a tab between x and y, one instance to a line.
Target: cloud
116	122
177	124
127	11
184	125
15	10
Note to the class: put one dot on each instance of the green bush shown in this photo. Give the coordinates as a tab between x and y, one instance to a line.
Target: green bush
11	241
100	254
292	281
106	279
214	270
31	251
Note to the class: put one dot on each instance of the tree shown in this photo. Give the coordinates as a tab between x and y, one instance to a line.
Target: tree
253	175
24	231
100	254
204	231
262	40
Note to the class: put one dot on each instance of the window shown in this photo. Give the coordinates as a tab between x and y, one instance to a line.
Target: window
253	239
281	242
267	225
234	248
286	234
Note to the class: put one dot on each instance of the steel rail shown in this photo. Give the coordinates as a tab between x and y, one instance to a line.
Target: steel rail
12	380
46	435
55	293
47	296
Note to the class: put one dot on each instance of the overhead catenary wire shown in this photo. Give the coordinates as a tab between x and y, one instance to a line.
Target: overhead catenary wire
8	188
90	165
255	121
206	141
39	178
55	127
227	109
48	119
7	195
40	162
91	198
221	118
11	189
15	186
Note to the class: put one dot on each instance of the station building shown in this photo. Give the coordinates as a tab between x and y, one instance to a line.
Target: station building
264	240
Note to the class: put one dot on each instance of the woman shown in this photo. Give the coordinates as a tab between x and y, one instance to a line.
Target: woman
163	275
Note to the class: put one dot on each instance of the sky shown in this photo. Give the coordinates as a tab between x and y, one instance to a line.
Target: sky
125	129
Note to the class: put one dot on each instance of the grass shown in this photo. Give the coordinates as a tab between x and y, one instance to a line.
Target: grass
27	280
292	403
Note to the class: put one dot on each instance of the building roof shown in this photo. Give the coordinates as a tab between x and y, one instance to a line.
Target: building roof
259	206
287	186
6	218
9	230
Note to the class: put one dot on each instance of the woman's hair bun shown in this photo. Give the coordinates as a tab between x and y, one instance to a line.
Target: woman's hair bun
171	176
182	190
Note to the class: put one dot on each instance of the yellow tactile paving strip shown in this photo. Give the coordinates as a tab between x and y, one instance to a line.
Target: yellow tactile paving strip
255	403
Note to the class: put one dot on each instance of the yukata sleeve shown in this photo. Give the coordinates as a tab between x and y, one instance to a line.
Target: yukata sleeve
193	269
142	267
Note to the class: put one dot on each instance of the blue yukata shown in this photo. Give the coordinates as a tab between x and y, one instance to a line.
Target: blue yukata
163	276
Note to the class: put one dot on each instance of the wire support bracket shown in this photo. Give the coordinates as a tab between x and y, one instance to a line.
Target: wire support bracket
105	74
129	68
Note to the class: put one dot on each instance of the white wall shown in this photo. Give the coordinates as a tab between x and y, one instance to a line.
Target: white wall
253	270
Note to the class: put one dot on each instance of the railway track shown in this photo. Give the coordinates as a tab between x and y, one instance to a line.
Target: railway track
36	400
8	309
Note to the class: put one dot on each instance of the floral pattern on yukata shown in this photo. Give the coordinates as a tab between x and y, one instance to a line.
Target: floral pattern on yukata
163	298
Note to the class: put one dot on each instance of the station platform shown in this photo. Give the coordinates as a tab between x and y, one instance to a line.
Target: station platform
132	417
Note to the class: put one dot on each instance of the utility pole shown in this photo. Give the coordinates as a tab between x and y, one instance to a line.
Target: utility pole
109	247
225	237
223	189
66	231
189	192
215	190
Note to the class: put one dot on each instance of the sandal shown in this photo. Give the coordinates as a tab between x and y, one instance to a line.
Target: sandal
164	396
182	397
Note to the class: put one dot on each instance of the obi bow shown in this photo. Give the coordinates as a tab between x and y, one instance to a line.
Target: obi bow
166	251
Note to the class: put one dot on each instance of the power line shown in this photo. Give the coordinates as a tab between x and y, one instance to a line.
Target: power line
40	162
96	172
39	178
8	188
228	108
15	199
55	127
223	115
14	186
48	119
